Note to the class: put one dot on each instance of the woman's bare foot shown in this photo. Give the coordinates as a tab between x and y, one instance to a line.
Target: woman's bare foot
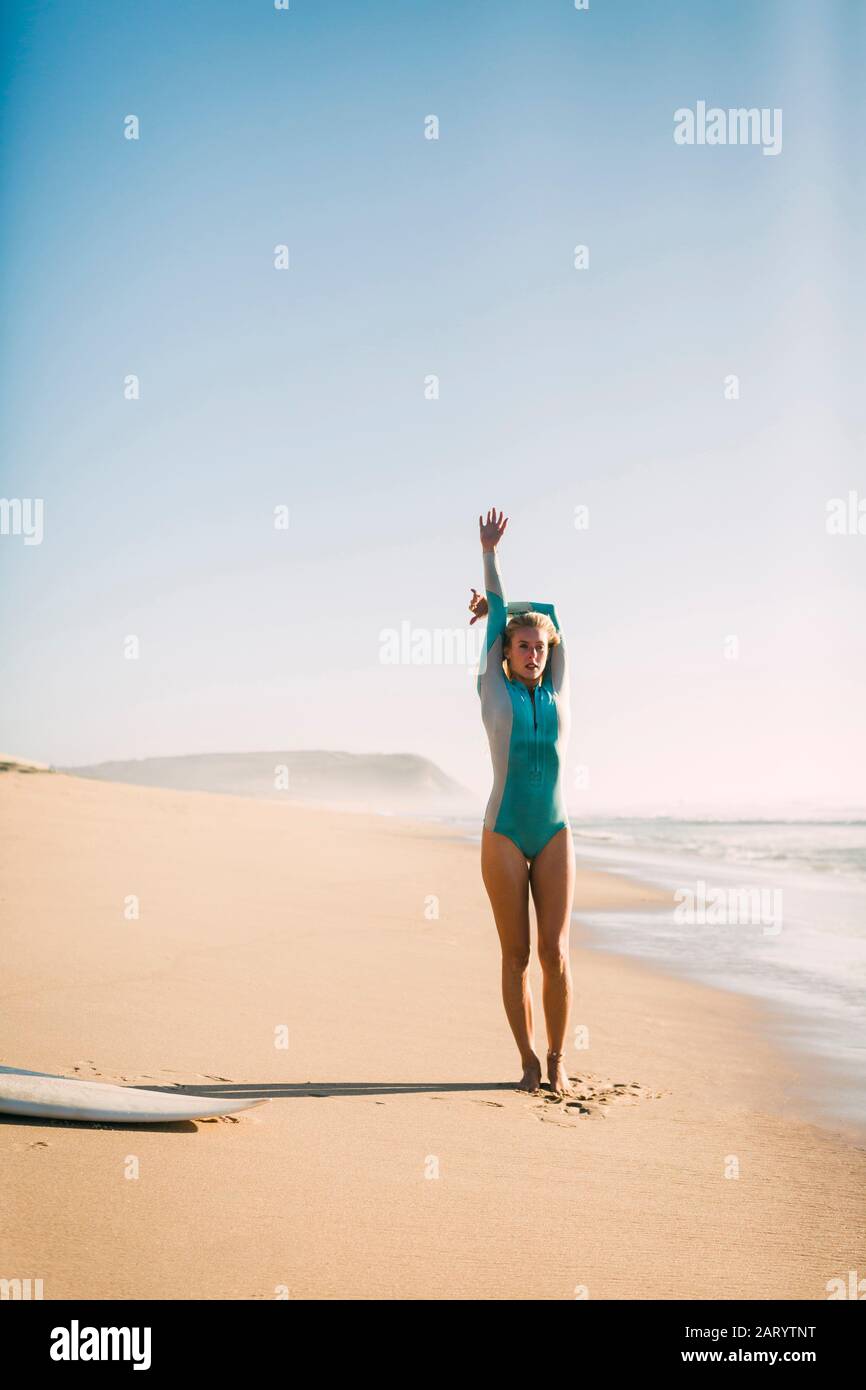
531	1079
557	1075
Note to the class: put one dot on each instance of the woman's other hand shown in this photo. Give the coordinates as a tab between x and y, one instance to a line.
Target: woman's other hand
478	606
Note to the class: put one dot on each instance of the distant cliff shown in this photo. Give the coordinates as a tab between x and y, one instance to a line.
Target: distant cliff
394	782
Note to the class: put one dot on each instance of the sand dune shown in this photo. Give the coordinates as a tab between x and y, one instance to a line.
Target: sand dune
10	764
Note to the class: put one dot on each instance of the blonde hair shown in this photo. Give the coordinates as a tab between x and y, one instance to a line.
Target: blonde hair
530	619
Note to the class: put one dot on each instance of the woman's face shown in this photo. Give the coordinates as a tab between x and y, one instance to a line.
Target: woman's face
527	654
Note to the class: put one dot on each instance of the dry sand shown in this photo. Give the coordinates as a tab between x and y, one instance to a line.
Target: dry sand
395	1159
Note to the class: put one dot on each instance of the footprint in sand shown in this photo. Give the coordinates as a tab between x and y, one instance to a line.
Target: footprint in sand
593	1096
161	1078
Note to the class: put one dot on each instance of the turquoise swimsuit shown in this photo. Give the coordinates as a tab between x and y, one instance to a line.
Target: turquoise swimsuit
527	730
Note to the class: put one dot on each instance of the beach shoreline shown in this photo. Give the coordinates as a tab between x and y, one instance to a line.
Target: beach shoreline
829	1093
350	961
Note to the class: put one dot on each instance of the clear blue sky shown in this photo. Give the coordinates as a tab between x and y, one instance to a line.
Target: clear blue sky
558	387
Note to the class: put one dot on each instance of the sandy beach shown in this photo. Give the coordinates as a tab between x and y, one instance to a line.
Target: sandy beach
395	1159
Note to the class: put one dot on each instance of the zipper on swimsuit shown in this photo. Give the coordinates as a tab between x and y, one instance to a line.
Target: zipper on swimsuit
535	768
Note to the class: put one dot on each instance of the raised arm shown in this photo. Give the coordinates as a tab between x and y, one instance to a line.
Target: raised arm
491	661
557	662
490	667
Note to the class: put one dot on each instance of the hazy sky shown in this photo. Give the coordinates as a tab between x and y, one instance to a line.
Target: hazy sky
559	388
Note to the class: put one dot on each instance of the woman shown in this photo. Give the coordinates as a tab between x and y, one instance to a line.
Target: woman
526	838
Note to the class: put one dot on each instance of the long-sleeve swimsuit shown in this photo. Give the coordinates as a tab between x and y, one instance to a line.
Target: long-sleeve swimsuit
527	729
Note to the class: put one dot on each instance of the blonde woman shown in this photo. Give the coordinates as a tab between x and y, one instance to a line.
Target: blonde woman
526	843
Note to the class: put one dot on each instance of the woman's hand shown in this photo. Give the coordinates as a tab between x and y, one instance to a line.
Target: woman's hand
478	606
492	530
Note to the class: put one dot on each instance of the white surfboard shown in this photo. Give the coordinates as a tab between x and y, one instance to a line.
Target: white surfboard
40	1093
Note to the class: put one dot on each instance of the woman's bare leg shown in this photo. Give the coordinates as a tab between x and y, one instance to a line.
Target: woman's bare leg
506	877
551	879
